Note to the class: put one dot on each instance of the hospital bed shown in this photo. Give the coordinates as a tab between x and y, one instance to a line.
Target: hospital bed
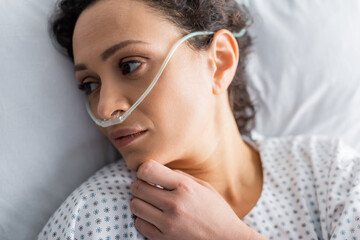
303	72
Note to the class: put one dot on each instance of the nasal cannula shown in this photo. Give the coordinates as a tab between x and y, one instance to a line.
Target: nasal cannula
117	119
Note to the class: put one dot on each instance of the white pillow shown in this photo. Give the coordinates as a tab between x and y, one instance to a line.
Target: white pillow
48	145
304	70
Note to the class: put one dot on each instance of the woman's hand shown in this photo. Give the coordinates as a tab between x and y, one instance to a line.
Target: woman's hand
185	208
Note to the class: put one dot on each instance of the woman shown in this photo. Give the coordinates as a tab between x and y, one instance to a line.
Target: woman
189	174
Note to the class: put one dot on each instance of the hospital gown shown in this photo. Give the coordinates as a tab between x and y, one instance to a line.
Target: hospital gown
311	190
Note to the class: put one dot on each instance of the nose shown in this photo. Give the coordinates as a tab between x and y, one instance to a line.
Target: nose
111	101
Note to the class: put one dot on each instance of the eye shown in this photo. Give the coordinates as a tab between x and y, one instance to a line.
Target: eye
129	67
88	87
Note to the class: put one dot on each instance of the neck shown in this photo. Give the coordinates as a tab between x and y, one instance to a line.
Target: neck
233	168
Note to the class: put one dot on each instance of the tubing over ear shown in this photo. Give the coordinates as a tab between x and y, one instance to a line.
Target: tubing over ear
224	59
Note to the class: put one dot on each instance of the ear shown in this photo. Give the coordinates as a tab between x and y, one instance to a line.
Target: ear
224	55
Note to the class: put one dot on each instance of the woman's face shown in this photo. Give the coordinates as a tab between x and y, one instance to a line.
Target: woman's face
174	123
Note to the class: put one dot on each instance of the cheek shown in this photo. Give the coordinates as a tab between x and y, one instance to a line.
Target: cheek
103	131
187	95
180	105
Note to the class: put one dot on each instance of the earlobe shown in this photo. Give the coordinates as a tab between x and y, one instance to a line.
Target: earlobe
224	57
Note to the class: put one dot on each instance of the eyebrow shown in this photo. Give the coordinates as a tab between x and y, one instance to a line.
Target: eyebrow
110	51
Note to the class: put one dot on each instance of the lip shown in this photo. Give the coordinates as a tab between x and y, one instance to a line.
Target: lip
125	137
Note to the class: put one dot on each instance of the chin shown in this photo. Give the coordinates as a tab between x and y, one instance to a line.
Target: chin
133	162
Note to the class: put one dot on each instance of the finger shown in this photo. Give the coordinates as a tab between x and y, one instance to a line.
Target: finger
150	194
147	229
156	173
146	211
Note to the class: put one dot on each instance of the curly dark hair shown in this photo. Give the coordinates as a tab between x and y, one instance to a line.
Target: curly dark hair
189	16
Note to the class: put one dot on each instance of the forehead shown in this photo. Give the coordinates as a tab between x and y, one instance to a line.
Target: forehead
109	22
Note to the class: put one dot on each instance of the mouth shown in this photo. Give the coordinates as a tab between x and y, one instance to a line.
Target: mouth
125	138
